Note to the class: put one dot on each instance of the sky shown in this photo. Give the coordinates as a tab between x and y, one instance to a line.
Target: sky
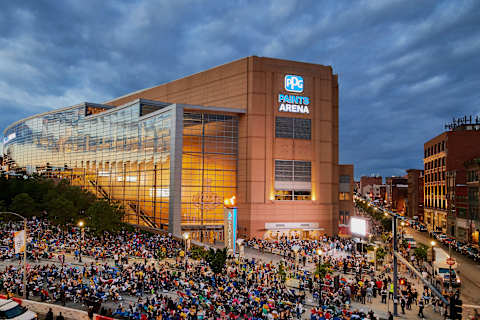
405	68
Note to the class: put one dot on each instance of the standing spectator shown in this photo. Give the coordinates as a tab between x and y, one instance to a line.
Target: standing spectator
420	308
49	315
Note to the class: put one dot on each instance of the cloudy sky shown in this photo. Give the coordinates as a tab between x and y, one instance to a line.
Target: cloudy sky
405	67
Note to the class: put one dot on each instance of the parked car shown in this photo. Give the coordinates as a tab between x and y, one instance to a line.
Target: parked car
9	309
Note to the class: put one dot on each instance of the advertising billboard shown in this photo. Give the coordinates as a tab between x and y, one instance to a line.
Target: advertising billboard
358	226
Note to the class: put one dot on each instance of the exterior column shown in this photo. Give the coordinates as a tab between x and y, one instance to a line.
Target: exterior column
176	148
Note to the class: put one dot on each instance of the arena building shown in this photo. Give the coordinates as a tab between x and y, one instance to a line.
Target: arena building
265	130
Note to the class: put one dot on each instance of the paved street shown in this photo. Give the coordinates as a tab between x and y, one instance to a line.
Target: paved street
469	272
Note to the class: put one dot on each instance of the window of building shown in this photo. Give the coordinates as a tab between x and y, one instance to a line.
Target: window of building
293	180
283	195
344	179
302	195
293	195
291	170
344	217
296	128
344	196
443	148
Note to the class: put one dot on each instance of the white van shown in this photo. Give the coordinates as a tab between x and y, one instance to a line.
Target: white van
9	309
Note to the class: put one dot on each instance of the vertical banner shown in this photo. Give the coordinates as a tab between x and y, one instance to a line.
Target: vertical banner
230	228
19	241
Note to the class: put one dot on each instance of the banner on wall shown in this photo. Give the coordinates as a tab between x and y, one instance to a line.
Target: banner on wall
230	228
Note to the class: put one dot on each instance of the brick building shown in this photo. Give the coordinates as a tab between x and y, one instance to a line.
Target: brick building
415	193
445	157
471	223
367	183
397	193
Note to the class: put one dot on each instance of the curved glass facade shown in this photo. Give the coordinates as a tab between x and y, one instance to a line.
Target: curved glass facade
164	163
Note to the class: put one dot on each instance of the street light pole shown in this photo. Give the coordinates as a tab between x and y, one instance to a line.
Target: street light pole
24	251
395	266
81	224
25	259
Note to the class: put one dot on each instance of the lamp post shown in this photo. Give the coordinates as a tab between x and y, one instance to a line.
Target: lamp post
186	236
320	281
81	224
24	251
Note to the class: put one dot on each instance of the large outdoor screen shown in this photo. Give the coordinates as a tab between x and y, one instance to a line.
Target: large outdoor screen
358	226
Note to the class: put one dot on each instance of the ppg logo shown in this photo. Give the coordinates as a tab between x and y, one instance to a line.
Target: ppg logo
293	83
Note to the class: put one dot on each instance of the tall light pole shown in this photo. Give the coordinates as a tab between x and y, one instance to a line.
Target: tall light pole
24	251
186	236
395	265
320	281
81	224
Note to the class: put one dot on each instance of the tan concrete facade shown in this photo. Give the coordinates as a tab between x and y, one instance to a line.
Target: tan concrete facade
253	84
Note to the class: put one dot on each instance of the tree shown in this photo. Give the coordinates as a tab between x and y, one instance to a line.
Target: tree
61	210
3	205
420	252
381	253
104	216
23	204
217	260
282	273
322	269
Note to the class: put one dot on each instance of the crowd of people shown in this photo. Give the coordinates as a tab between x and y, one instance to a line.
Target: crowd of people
126	273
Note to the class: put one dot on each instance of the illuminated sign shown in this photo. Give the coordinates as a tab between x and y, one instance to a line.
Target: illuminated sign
295	104
10	137
293	83
160	192
230	228
358	226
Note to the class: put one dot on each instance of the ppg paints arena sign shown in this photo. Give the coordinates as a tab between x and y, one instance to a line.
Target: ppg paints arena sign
293	103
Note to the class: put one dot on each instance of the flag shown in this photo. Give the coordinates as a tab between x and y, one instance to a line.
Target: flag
19	241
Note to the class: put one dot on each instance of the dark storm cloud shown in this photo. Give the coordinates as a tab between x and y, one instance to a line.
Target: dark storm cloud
405	67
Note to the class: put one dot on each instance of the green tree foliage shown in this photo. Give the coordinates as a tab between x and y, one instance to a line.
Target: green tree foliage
61	210
420	252
381	253
281	272
322	269
23	204
60	201
217	260
198	253
104	216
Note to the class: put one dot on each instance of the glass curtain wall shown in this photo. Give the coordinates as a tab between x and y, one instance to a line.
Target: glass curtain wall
209	167
117	154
